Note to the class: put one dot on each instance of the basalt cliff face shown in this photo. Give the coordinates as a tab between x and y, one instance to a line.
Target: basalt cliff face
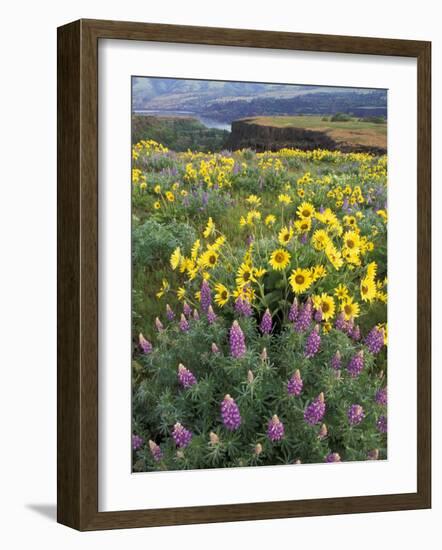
259	137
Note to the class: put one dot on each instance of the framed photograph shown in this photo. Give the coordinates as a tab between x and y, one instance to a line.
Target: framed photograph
243	269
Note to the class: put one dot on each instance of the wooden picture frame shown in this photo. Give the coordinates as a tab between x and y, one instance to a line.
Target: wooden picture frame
78	274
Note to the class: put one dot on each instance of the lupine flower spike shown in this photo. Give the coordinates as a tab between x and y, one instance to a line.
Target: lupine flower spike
181	435
185	377
237	341
145	345
155	450
275	429
230	413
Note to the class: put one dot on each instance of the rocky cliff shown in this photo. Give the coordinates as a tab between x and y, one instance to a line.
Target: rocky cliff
248	134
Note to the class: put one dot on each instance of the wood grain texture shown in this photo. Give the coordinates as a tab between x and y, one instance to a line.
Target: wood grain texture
77	459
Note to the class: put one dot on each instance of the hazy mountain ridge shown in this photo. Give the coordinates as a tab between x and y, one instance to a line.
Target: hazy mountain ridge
228	101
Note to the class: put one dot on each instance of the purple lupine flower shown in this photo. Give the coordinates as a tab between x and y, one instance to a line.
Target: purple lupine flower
356	364
185	377
275	429
214	348
206	296
169	313
187	310
336	361
293	313
355	414
313	343
304	317
211	315
323	432
332	457
230	413
373	454
355	333
159	324
243	307
375	340
382	424
156	451
144	344
315	412
341	323
294	385
184	323
303	238
181	435
196	315
318	315
266	322
137	442
381	397
237	341
249	240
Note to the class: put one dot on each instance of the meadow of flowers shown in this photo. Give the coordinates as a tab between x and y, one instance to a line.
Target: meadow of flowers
259	308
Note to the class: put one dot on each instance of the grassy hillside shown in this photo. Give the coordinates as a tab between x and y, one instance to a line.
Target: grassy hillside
177	133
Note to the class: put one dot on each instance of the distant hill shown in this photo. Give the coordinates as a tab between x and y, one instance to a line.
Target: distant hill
227	101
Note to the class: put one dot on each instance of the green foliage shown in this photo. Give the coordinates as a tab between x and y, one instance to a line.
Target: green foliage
159	401
340	117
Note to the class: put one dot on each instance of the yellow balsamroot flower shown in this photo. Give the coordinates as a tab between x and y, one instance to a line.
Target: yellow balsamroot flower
245	292
284	198
383	214
320	239
259	272
165	287
143	185
305	210
270	220
304	225
301	193
334	256
195	249
218	243
326	327
183	193
351	241
285	236
350	308
300	280
210	228
181	293
245	275
326	304
170	196
349	221
368	289
157	189
175	186
222	294
341	292
318	272
372	269
175	258
351	256
254	200
157	205
279	259
208	259
382	296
